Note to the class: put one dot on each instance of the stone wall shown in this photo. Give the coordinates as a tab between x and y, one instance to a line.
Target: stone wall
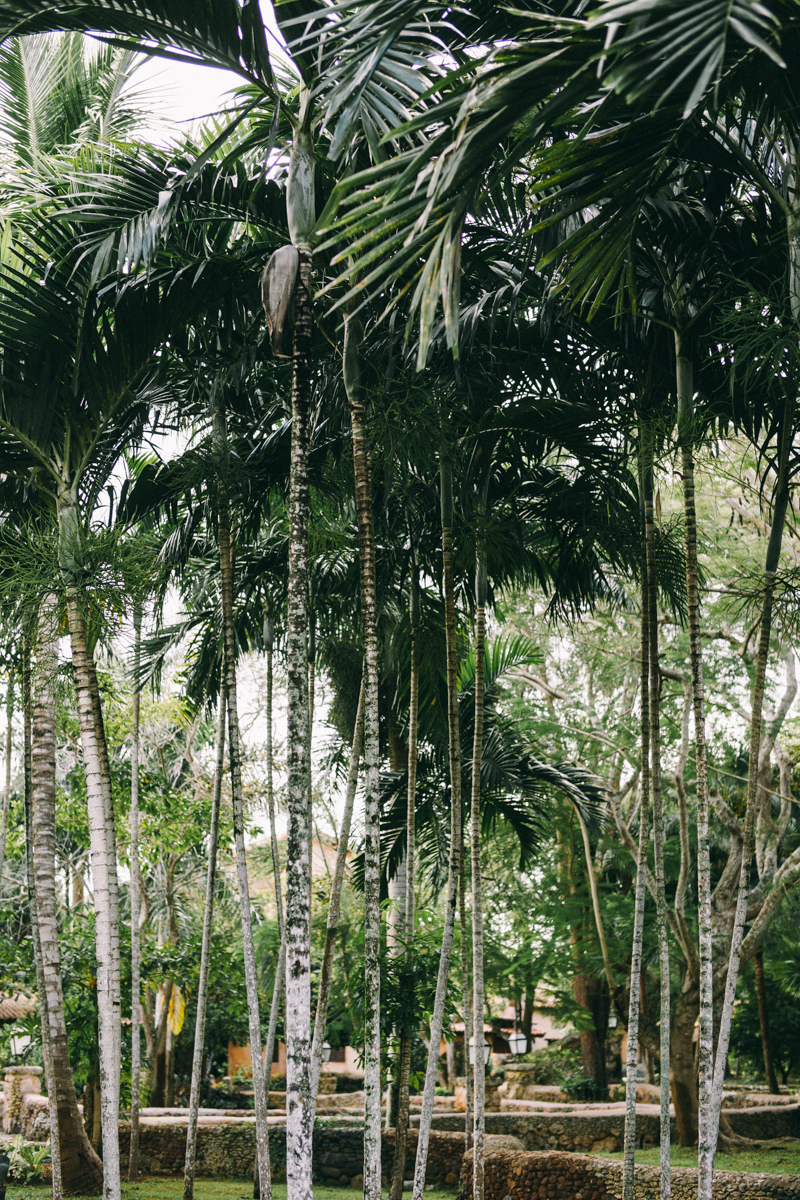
600	1131
18	1083
34	1118
527	1175
766	1121
228	1148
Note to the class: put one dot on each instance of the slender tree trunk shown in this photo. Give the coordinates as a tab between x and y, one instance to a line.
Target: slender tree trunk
437	1019
470	1025
526	1024
404	1063
299	1108
705	1145
477	896
326	972
43	908
632	1076
277	987
133	1160
237	796
658	820
78	1168
598	916
781	504
312	655
7	788
395	939
103	864
113	882
205	954
763	1018
372	839
584	989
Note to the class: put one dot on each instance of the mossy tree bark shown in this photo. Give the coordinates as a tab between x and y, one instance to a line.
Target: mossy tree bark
299	1101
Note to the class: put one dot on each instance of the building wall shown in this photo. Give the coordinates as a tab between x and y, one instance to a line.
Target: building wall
240	1057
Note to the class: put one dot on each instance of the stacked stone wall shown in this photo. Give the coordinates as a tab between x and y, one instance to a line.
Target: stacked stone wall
601	1131
229	1149
531	1175
579	1132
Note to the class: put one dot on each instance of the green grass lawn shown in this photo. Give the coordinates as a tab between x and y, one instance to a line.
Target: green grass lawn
207	1189
782	1160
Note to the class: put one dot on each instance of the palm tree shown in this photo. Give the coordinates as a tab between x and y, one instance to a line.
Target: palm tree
384	80
79	1167
55	339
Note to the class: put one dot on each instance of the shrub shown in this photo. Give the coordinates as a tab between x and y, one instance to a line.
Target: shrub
27	1160
556	1065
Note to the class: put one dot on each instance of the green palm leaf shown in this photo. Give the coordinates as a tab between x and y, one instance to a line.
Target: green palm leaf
222	33
684	48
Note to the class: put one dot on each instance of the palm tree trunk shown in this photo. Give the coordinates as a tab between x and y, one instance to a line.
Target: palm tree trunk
598	916
658	819
632	1065
76	1167
477	897
404	1057
7	788
103	865
437	1019
113	882
326	971
220	436
781	504
299	1109
277	987
312	656
470	1025
763	1019
705	1144
205	952
133	1159
49	904
372	839
395	940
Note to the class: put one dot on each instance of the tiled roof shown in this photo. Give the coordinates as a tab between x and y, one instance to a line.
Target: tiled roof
17	1006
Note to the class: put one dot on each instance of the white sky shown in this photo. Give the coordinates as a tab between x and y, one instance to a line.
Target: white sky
186	94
